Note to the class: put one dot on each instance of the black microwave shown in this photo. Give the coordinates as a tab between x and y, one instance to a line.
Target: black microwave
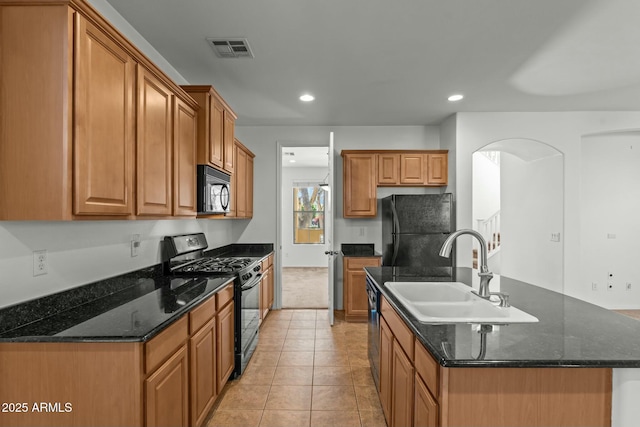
214	192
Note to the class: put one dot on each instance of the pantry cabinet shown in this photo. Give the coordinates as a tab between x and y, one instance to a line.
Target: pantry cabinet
356	301
79	111
365	170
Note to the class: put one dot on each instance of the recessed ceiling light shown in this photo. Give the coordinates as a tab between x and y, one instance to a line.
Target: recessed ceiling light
456	97
307	97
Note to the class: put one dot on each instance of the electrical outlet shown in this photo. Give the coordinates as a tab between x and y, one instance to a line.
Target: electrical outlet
40	263
361	231
555	237
135	244
594	286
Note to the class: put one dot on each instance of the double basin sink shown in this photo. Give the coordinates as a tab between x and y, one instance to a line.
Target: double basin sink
452	302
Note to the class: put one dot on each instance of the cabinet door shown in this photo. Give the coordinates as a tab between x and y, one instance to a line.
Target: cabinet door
264	294
386	354
356	303
388	169
167	392
228	138
425	409
271	289
437	169
216	134
154	146
249	186
240	189
104	125
412	169
225	345
402	384
184	160
202	349
360	200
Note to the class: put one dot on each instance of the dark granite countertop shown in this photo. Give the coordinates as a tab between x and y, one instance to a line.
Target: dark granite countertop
359	250
126	308
570	332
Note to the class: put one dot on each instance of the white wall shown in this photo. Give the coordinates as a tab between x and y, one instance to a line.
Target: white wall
262	140
299	255
486	187
561	130
610	207
531	195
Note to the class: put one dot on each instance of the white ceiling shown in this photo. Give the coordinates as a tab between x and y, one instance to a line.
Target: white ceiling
382	62
304	157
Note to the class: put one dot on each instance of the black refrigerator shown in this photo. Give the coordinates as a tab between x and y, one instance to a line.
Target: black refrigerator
414	227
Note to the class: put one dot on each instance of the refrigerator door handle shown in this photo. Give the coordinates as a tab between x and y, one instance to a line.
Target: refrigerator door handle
396	233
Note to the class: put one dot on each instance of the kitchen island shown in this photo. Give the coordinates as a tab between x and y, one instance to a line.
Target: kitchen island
474	365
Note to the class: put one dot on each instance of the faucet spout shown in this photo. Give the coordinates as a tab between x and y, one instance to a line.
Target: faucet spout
484	273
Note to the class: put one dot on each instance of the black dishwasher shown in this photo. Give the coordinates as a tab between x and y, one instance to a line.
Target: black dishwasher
373	344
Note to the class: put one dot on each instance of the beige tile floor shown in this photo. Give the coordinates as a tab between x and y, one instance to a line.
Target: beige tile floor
303	373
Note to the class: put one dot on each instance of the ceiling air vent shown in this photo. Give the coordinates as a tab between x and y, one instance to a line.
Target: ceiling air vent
230	48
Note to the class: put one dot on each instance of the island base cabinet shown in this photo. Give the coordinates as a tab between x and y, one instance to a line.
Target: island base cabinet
167	394
526	397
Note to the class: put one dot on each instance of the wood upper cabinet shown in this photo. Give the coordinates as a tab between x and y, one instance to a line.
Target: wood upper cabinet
104	123
154	146
356	301
364	170
437	169
184	159
359	191
242	182
228	141
216	125
388	168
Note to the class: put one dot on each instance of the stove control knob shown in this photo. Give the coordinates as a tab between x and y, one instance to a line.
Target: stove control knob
257	268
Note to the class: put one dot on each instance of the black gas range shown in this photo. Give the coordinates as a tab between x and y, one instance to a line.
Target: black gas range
184	257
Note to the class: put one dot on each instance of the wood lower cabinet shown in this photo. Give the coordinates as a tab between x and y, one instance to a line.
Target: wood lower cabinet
203	363
425	410
167	392
416	391
355	299
88	111
171	380
225	344
267	286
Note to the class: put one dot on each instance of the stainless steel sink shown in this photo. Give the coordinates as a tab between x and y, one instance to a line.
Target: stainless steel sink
452	302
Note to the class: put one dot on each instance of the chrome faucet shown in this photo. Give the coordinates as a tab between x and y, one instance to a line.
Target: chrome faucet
484	273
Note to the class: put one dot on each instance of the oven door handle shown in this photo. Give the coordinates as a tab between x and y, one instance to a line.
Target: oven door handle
253	284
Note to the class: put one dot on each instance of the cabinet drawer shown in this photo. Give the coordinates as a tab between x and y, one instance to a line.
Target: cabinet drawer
201	314
427	368
165	344
357	263
271	256
224	296
265	264
403	334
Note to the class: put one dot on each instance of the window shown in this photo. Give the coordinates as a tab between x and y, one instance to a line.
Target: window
308	215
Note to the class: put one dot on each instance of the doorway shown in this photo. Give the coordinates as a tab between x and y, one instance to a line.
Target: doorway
302	226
